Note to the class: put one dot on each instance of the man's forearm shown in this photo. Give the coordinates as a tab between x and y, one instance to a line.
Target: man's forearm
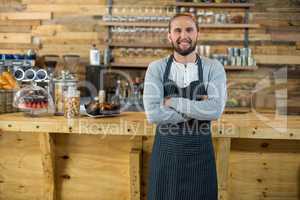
162	115
209	109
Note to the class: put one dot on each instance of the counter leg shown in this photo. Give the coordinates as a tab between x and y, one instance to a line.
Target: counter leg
222	162
135	169
48	161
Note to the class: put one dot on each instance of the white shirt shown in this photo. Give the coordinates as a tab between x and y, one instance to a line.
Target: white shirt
183	74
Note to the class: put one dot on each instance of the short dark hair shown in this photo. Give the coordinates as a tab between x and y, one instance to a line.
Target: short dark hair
184	15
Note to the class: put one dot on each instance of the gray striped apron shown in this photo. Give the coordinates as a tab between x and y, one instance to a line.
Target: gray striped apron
182	164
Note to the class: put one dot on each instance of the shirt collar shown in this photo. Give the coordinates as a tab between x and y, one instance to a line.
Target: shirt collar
187	64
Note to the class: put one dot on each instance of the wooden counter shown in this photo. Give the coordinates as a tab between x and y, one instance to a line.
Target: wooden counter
249	125
107	158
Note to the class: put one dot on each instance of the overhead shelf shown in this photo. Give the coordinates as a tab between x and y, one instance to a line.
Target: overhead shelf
245	68
133	65
214	5
139	45
135	24
144	65
156	24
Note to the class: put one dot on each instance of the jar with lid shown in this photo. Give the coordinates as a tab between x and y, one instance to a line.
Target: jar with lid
209	17
61	86
72	103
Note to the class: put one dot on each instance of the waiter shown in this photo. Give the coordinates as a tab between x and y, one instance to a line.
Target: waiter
182	94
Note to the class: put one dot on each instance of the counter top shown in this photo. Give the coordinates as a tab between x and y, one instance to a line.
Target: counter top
250	125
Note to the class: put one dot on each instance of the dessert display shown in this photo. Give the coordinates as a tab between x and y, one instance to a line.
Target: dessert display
34	99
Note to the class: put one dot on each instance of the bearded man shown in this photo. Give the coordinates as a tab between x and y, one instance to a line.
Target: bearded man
183	93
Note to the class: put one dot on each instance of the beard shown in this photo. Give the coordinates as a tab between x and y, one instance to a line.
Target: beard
186	51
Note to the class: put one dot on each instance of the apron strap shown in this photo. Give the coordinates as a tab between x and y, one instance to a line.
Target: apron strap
168	68
200	74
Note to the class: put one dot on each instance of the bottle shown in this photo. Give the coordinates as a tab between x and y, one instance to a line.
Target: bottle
127	93
30	57
94	56
136	90
106	56
117	98
101	96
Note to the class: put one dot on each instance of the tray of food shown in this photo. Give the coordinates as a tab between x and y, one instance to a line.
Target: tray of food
96	110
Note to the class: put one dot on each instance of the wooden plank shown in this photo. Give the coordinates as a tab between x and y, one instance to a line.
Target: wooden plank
15	29
223	195
298	46
15	38
48	161
274	49
233	37
93	166
33	23
240	68
135	174
68	8
25	15
283	133
214	5
256	171
136	124
222	161
20	46
285	36
21	170
284	9
277	59
79	2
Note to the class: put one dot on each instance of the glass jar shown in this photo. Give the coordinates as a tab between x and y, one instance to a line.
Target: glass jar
209	17
72	103
61	86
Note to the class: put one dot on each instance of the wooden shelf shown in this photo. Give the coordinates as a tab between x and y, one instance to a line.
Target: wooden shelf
152	24
132	65
136	24
139	45
245	68
214	5
229	26
144	65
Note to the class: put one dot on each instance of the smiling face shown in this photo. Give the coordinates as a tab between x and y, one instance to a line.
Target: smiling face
183	35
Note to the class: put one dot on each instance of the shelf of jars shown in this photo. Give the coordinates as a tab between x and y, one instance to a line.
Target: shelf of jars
214	5
233	58
162	25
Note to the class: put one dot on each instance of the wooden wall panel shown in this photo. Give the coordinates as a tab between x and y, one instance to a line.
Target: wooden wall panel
15	38
93	9
264	169
61	17
21	175
26	15
92	167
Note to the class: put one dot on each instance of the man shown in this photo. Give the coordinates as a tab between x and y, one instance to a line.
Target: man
182	94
